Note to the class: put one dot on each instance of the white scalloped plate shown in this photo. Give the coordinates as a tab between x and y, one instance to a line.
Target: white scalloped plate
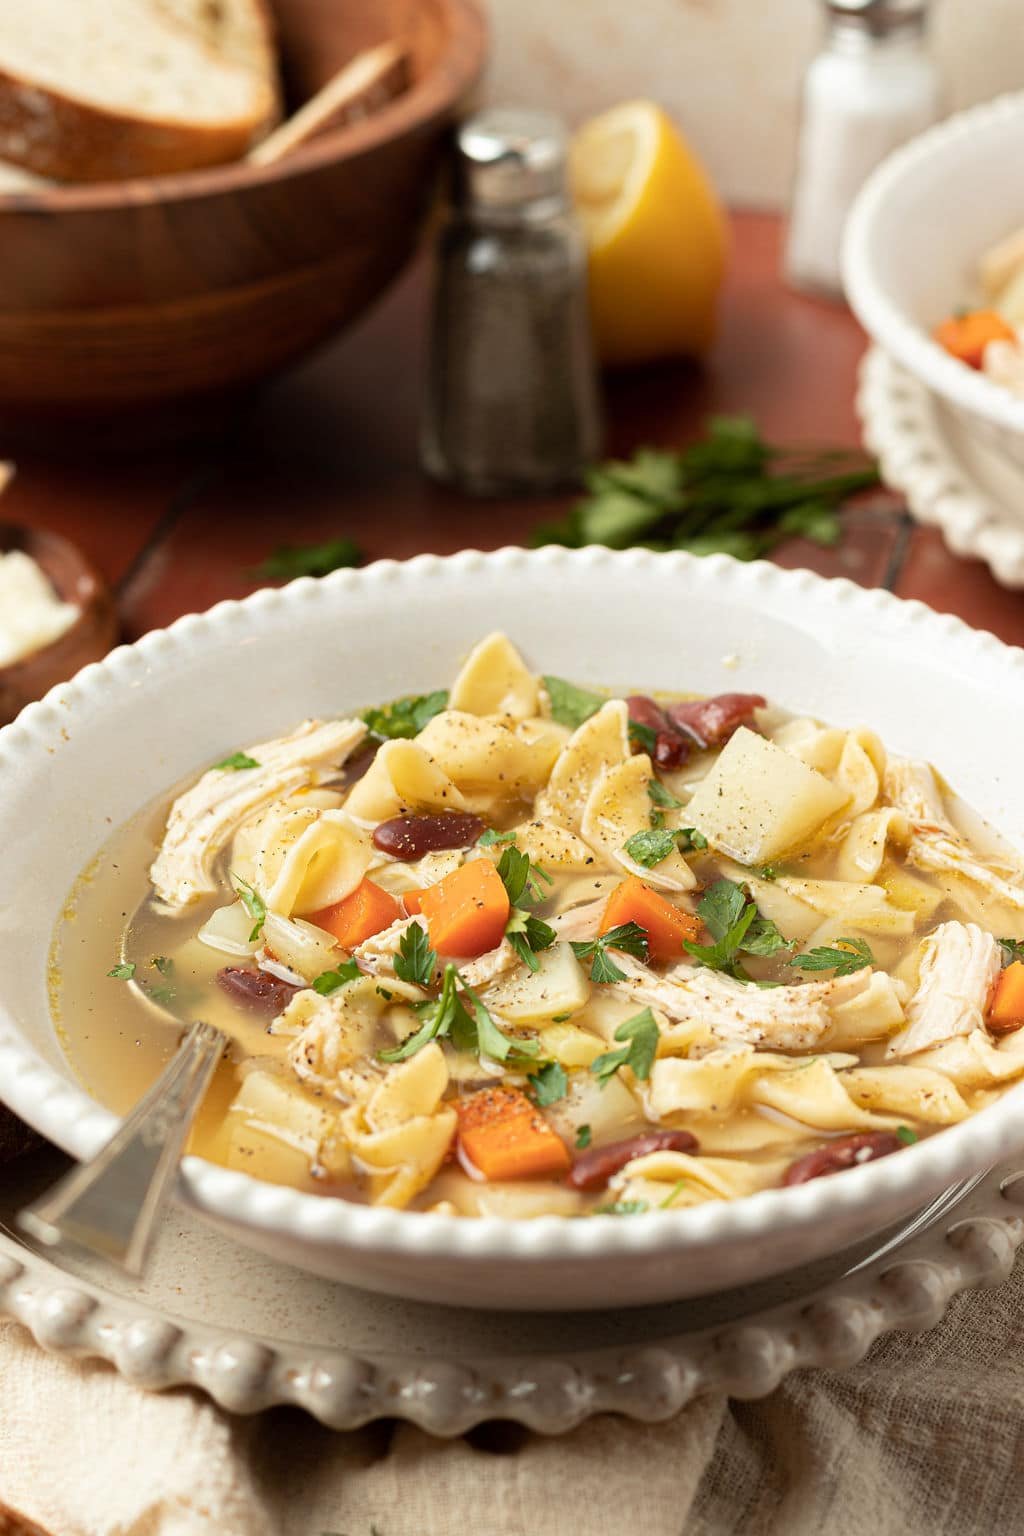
348	1357
953	479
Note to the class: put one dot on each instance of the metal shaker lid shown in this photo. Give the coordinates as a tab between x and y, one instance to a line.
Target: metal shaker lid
880	15
512	156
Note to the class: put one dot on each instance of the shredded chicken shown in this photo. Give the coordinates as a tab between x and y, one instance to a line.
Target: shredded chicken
580	924
204	819
332	1049
376	956
958	967
935	844
781	1018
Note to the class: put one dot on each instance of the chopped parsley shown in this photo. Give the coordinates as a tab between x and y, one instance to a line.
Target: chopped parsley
673	1193
689	838
290	560
548	1084
528	935
663	797
124	971
521	877
329	981
737	927
844	957
906	1135
629	937
464	1020
621	1208
415	962
768	872
405	718
1013	949
560	1018
236	762
253	903
490	837
571	706
649	848
642	736
641	1036
162	964
583	1134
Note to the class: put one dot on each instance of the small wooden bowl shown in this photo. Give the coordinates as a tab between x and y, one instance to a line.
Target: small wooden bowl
116	298
90	636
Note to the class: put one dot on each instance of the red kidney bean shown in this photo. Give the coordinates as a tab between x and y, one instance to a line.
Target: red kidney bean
256	990
410	837
712	721
353	768
670	749
847	1152
594	1168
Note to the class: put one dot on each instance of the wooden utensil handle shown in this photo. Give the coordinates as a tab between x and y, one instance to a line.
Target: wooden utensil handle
374	77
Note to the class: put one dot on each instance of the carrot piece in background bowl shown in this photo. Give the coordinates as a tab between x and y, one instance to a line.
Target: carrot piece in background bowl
967	336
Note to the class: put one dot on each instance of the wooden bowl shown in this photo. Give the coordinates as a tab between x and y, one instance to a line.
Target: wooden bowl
120	297
89	638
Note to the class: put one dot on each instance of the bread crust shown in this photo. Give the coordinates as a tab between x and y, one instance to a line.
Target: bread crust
57	135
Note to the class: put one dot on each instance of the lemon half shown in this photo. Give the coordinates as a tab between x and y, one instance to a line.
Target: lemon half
655	232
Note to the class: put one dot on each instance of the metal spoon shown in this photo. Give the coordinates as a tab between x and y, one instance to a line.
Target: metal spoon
112	1205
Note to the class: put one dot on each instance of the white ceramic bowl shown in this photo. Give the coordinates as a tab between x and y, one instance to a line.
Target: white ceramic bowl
912	244
120	732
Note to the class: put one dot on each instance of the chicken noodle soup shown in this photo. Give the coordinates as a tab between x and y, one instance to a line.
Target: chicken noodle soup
523	948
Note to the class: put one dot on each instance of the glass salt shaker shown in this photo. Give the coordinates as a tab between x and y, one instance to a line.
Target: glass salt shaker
511	401
873	85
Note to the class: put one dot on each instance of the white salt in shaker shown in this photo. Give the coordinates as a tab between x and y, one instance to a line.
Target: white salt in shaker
873	85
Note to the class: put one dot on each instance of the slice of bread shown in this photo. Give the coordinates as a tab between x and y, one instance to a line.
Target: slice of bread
97	90
240	31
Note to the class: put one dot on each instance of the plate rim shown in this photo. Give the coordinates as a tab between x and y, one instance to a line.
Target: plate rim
831	1328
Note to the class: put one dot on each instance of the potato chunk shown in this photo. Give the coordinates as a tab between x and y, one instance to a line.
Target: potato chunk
759	802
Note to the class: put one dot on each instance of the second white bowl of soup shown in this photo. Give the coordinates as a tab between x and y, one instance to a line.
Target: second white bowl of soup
550	983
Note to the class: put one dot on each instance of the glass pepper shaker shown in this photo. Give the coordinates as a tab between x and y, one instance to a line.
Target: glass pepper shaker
511	401
872	86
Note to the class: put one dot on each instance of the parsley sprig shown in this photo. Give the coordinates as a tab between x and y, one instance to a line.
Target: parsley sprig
641	1036
524	884
415	962
528	936
291	560
405	718
737	927
844	957
730	491
458	1014
651	847
629	937
1013	949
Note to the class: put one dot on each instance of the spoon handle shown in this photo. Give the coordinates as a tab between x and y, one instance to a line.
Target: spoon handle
111	1205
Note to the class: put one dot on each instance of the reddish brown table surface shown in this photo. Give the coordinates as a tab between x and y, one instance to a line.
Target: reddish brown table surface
331	449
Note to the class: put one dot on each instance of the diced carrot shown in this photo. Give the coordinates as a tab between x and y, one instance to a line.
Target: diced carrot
412	901
967	336
1006	1011
665	925
467	911
503	1136
359	916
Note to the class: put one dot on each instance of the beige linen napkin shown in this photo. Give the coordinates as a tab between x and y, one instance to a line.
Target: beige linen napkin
922	1439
